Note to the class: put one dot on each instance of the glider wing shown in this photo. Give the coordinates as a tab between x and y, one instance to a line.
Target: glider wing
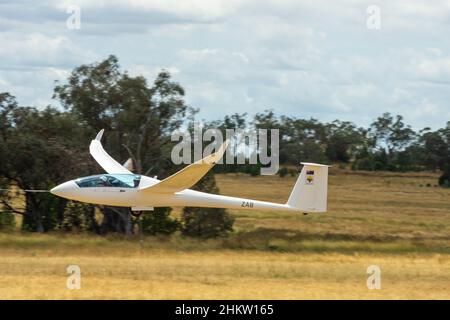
103	158
189	175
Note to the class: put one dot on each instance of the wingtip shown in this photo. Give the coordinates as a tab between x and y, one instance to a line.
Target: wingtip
226	143
99	135
217	155
223	148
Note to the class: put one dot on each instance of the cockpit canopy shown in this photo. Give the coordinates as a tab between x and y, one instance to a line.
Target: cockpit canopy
110	180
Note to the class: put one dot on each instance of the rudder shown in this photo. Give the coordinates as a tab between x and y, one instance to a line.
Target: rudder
311	189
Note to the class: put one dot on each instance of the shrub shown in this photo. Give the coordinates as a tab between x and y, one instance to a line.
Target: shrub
7	221
444	179
365	164
283	172
159	222
206	222
77	217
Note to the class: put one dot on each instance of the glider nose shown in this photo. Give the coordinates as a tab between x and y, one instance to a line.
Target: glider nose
65	189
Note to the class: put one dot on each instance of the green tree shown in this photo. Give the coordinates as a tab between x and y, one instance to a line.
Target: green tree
444	179
435	147
392	137
343	141
140	119
302	140
38	150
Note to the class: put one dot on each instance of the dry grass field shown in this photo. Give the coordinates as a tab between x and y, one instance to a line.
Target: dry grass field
394	221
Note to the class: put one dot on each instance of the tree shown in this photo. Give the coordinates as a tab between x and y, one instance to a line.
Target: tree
343	140
140	120
392	137
435	148
37	150
436	152
444	179
301	140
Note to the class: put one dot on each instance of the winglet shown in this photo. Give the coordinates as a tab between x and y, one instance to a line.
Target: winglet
188	176
103	158
100	135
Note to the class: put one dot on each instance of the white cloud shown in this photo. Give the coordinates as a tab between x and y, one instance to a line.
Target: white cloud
186	10
300	58
434	69
38	49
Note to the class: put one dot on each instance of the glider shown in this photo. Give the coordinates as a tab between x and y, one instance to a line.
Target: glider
121	187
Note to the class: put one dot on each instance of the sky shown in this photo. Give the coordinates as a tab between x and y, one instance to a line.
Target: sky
348	60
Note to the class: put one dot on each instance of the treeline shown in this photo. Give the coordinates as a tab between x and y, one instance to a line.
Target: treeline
40	148
388	144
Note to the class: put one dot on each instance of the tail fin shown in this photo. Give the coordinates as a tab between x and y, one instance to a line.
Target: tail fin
310	190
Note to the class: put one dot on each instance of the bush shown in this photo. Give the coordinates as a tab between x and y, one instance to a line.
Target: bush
283	172
46	209
206	222
7	221
364	164
444	179
159	222
253	169
77	217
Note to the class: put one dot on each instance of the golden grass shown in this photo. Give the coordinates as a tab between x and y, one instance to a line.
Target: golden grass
376	206
390	220
224	274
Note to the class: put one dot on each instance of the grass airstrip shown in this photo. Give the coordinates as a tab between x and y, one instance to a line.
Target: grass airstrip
398	222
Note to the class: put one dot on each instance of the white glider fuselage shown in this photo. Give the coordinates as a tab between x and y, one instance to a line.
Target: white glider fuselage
120	187
138	198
